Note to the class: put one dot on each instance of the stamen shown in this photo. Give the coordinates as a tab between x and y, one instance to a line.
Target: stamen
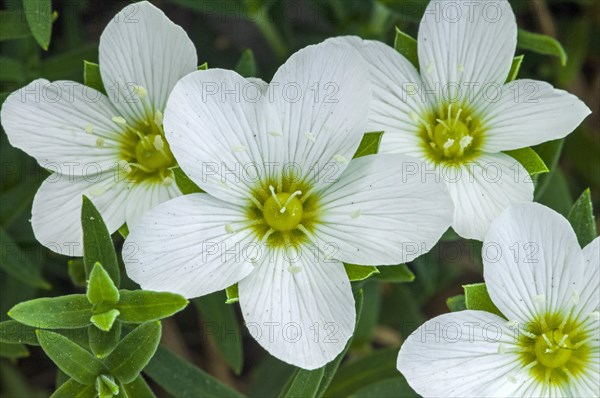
294	269
287	202
256	203
303	229
340	159
89	129
448	143
310	136
100	142
449	112
275	133
547	340
229	229
119	120
267	234
168	181
440	121
460	68
159	144
238	148
274	195
429	68
457	116
158	118
140	91
465	142
356	213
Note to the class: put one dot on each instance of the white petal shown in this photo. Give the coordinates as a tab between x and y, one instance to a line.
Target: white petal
532	263
396	102
590	295
303	315
49	122
141	49
56	211
528	112
384	209
457	355
144	196
323	92
219	136
184	246
466	43
481	189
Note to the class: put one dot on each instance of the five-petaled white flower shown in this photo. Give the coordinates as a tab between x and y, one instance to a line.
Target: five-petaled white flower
285	204
110	148
457	114
548	289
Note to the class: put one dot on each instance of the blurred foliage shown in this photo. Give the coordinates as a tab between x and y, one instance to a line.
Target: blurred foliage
272	29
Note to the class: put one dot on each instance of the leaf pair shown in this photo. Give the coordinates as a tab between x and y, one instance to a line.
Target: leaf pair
91	376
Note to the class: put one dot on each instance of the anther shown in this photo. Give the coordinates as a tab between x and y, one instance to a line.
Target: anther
100	142
310	136
238	148
158	143
340	159
89	129
140	91
119	120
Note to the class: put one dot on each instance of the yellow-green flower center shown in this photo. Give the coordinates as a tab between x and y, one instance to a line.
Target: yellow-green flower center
555	349
283	211
451	135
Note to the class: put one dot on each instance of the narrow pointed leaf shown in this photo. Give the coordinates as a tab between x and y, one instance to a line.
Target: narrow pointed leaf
14	332
13	25
72	359
91	76
184	380
478	298
456	303
101	288
102	343
305	383
105	320
39	18
137	389
541	44
360	272
395	274
73	389
220	321
108	384
140	306
204	66
246	66
64	312
232	294
530	160
77	272
18	264
97	243
13	351
582	219
134	352
407	46
184	183
369	144
514	68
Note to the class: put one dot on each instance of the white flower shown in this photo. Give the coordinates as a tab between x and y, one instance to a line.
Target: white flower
285	205
110	148
548	288
458	115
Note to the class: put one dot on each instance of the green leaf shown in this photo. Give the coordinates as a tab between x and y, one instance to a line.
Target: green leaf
369	144
204	66
13	351
550	153
232	293
220	322
531	161
72	359
359	272
246	66
184	183
13	332
456	303
18	264
184	380
514	68
106	386
407	46
395	273
541	44
124	230
64	312
91	76
379	365
477	298
305	383
13	25
77	272
134	352
137	389
97	244
102	343
140	306
73	389
101	289
389	388
39	18
105	320
582	219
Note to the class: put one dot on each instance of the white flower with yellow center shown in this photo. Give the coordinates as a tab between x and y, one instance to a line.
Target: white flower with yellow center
110	148
457	114
285	204
549	346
